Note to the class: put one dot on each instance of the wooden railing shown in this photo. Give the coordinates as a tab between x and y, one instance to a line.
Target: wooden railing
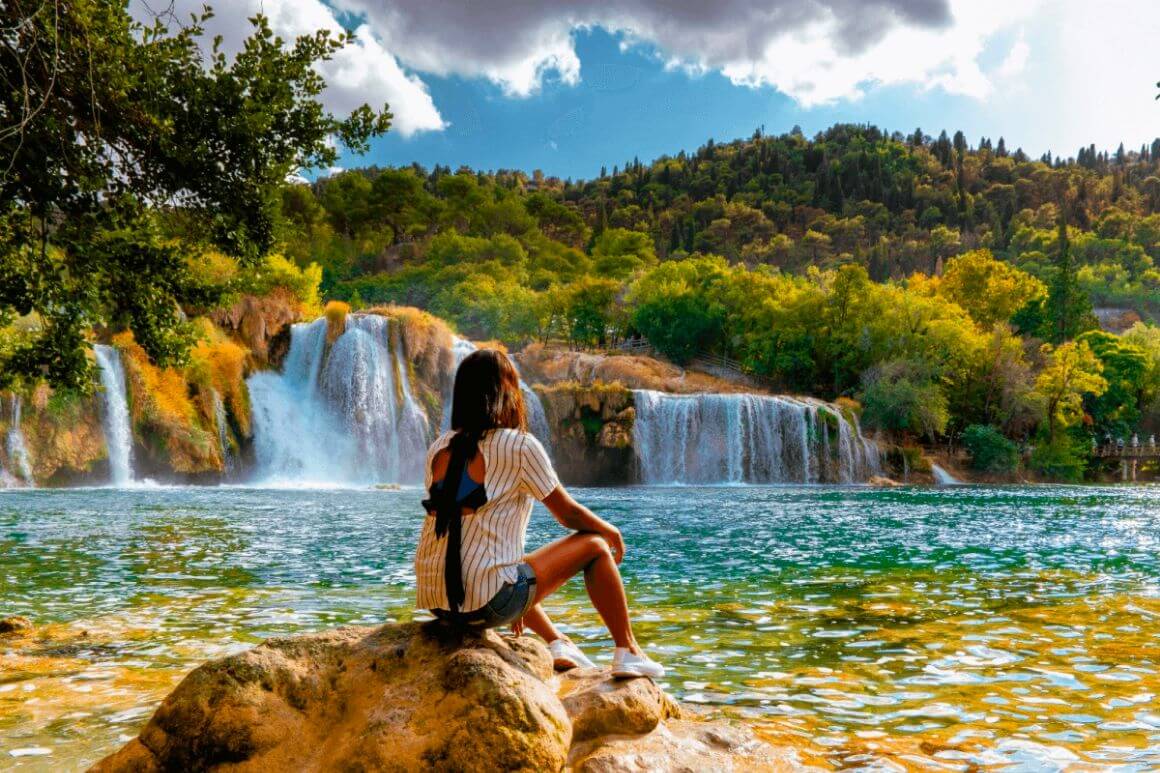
1129	451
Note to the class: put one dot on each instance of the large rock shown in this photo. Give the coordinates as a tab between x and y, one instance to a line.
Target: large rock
599	706
403	697
685	746
419	697
15	624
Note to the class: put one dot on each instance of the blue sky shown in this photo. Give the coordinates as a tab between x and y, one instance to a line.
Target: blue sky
567	86
628	104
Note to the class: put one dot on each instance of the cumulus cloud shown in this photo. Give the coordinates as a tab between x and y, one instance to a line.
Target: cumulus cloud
816	51
1016	59
364	72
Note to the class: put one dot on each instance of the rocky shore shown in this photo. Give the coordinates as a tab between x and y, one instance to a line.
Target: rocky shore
418	696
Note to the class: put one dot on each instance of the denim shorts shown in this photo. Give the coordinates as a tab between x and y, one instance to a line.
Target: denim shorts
510	603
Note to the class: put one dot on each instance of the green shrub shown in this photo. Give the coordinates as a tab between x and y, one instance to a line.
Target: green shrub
990	450
1059	460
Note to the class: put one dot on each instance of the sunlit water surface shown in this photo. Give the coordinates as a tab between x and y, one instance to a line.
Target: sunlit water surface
947	629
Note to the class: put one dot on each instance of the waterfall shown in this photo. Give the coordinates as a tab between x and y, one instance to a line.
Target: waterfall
219	416
537	418
115	415
339	415
942	477
746	438
21	473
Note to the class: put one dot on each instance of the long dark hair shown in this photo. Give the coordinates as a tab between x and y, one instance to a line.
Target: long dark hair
486	396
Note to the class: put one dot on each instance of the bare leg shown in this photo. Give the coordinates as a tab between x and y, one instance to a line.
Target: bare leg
537	620
559	561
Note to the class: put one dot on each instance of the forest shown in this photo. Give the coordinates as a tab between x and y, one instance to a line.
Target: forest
949	288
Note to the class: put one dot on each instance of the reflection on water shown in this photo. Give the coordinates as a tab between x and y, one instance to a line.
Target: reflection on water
946	629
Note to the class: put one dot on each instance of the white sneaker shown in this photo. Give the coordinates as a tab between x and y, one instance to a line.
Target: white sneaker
566	655
626	664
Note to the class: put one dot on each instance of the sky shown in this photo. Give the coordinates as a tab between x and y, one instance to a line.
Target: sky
570	86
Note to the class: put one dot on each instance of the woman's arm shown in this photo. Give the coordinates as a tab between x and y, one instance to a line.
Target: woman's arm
573	515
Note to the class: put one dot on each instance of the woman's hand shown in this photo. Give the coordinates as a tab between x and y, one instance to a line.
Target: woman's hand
615	541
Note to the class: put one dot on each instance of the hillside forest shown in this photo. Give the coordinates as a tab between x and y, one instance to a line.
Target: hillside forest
950	288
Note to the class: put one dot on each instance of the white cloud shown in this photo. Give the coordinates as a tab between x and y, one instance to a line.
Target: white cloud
816	51
1016	59
362	72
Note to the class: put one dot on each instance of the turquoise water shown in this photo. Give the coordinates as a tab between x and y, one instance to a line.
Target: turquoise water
923	627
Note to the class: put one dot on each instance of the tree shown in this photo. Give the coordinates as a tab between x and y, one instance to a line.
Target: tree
897	396
395	199
107	122
619	252
673	306
989	450
1116	411
990	290
1068	308
590	306
1072	372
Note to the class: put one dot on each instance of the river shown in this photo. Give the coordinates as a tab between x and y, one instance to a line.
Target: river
935	627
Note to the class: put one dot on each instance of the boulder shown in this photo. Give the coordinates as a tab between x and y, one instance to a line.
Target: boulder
400	697
422	697
687	746
599	706
15	624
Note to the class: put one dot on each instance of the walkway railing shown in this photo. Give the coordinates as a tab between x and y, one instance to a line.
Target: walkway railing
1128	451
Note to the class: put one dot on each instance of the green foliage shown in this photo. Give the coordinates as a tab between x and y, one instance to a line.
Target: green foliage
990	450
618	253
898	397
1072	372
675	308
990	290
1116	411
278	272
1060	459
109	118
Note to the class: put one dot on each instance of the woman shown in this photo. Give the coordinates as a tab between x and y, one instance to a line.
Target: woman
470	563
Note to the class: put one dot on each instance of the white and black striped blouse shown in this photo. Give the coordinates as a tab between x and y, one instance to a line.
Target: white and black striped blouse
516	469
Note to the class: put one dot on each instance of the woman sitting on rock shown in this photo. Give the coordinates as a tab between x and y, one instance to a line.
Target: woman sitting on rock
470	563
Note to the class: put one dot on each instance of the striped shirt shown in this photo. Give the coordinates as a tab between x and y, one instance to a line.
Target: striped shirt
516	469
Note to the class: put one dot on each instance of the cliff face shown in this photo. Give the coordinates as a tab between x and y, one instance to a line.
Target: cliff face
262	325
547	365
591	431
63	442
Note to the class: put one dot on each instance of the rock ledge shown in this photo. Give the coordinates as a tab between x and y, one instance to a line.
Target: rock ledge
419	696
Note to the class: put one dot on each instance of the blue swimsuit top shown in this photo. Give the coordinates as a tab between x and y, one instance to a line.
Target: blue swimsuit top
468	490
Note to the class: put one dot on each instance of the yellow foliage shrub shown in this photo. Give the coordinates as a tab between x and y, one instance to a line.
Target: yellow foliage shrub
165	418
336	312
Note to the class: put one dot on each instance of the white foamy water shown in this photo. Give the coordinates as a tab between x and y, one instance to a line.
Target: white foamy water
115	415
18	459
942	477
537	418
746	438
339	415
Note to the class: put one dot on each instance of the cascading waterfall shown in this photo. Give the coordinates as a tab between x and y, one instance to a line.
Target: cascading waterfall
746	438
115	415
219	415
21	473
537	418
346	415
